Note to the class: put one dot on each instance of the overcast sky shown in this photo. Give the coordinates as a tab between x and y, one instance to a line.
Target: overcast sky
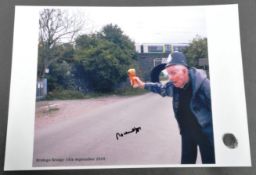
148	24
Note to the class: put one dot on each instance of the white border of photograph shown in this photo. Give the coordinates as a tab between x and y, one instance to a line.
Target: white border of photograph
227	88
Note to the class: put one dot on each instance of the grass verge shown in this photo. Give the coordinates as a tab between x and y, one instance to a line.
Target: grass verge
71	94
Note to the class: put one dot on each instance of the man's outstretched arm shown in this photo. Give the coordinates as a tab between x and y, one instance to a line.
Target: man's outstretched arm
163	90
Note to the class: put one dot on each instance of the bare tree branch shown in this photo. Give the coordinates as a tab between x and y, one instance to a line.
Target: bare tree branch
55	27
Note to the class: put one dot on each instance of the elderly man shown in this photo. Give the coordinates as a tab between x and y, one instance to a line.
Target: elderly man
190	90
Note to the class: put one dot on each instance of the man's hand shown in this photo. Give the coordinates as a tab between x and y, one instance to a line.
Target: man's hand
139	83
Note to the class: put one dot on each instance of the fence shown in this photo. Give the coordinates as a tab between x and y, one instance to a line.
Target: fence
41	88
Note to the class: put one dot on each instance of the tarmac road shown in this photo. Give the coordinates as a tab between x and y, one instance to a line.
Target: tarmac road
90	137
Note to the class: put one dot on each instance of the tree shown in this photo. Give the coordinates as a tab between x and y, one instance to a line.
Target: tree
115	35
196	49
60	76
105	57
55	27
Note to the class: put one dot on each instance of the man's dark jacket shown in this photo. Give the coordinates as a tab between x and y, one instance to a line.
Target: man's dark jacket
200	104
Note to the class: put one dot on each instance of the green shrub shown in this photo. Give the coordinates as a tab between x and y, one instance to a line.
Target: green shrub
129	91
72	94
65	94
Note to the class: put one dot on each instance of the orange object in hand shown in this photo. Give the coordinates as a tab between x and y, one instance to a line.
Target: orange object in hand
132	75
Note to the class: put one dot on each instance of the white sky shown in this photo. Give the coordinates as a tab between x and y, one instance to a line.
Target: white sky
148	24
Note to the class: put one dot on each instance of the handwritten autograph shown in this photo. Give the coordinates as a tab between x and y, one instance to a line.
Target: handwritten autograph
136	130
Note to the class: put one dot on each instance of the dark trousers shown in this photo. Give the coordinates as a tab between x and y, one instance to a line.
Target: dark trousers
190	141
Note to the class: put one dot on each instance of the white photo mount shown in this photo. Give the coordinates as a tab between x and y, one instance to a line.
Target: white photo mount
227	90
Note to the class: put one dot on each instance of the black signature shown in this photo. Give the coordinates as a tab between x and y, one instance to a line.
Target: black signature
136	130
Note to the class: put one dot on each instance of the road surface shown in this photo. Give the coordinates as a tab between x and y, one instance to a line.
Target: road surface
84	132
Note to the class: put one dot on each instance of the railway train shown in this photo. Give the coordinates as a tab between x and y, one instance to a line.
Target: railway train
160	48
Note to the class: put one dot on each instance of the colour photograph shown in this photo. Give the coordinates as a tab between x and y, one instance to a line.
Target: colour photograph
87	110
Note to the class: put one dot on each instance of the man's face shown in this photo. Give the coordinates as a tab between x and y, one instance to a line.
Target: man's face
178	75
